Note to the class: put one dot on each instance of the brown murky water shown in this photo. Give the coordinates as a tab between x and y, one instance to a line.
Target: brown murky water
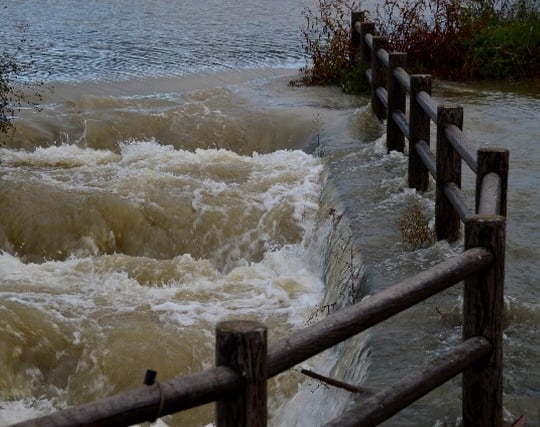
164	189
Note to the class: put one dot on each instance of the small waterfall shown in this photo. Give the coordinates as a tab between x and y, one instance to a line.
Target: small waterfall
339	256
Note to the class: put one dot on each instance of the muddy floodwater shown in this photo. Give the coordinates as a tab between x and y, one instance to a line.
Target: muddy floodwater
173	179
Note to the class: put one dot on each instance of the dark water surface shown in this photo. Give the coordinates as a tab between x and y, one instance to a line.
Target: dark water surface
173	179
80	40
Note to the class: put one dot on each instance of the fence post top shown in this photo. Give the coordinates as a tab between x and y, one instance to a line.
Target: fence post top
483	218
240	326
396	54
490	149
450	114
449	107
358	16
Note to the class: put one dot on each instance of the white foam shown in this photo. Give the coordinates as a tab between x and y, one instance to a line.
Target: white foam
65	155
12	412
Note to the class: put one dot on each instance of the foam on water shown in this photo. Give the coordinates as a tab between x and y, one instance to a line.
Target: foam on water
251	198
90	299
81	329
191	118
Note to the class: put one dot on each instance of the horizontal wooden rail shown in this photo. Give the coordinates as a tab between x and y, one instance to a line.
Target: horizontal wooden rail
147	402
492	161
368	75
462	146
457	199
286	352
427	157
388	402
383	57
369	40
490	200
401	121
427	104
403	78
382	94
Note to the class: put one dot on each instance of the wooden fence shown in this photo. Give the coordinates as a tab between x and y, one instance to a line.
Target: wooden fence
244	360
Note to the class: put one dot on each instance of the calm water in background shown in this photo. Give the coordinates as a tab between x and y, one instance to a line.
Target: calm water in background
173	180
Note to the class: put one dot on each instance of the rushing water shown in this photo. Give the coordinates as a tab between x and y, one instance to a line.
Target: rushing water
173	180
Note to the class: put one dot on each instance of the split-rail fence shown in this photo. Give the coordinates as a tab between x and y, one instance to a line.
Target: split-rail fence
244	359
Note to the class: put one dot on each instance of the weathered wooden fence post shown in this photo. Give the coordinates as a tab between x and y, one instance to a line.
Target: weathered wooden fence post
483	316
378	76
242	345
447	220
419	130
397	96
356	17
365	50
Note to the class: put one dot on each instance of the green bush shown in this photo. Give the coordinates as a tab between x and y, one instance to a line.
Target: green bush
505	49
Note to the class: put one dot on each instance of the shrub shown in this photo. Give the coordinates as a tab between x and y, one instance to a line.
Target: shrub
14	93
414	226
426	30
463	40
505	48
451	39
8	95
326	41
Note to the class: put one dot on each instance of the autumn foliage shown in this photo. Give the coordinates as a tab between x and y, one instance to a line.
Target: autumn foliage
450	39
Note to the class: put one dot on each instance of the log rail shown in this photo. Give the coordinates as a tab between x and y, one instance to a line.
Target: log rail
244	359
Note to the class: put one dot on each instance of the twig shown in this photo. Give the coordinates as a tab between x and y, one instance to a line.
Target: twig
520	422
444	318
330	381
